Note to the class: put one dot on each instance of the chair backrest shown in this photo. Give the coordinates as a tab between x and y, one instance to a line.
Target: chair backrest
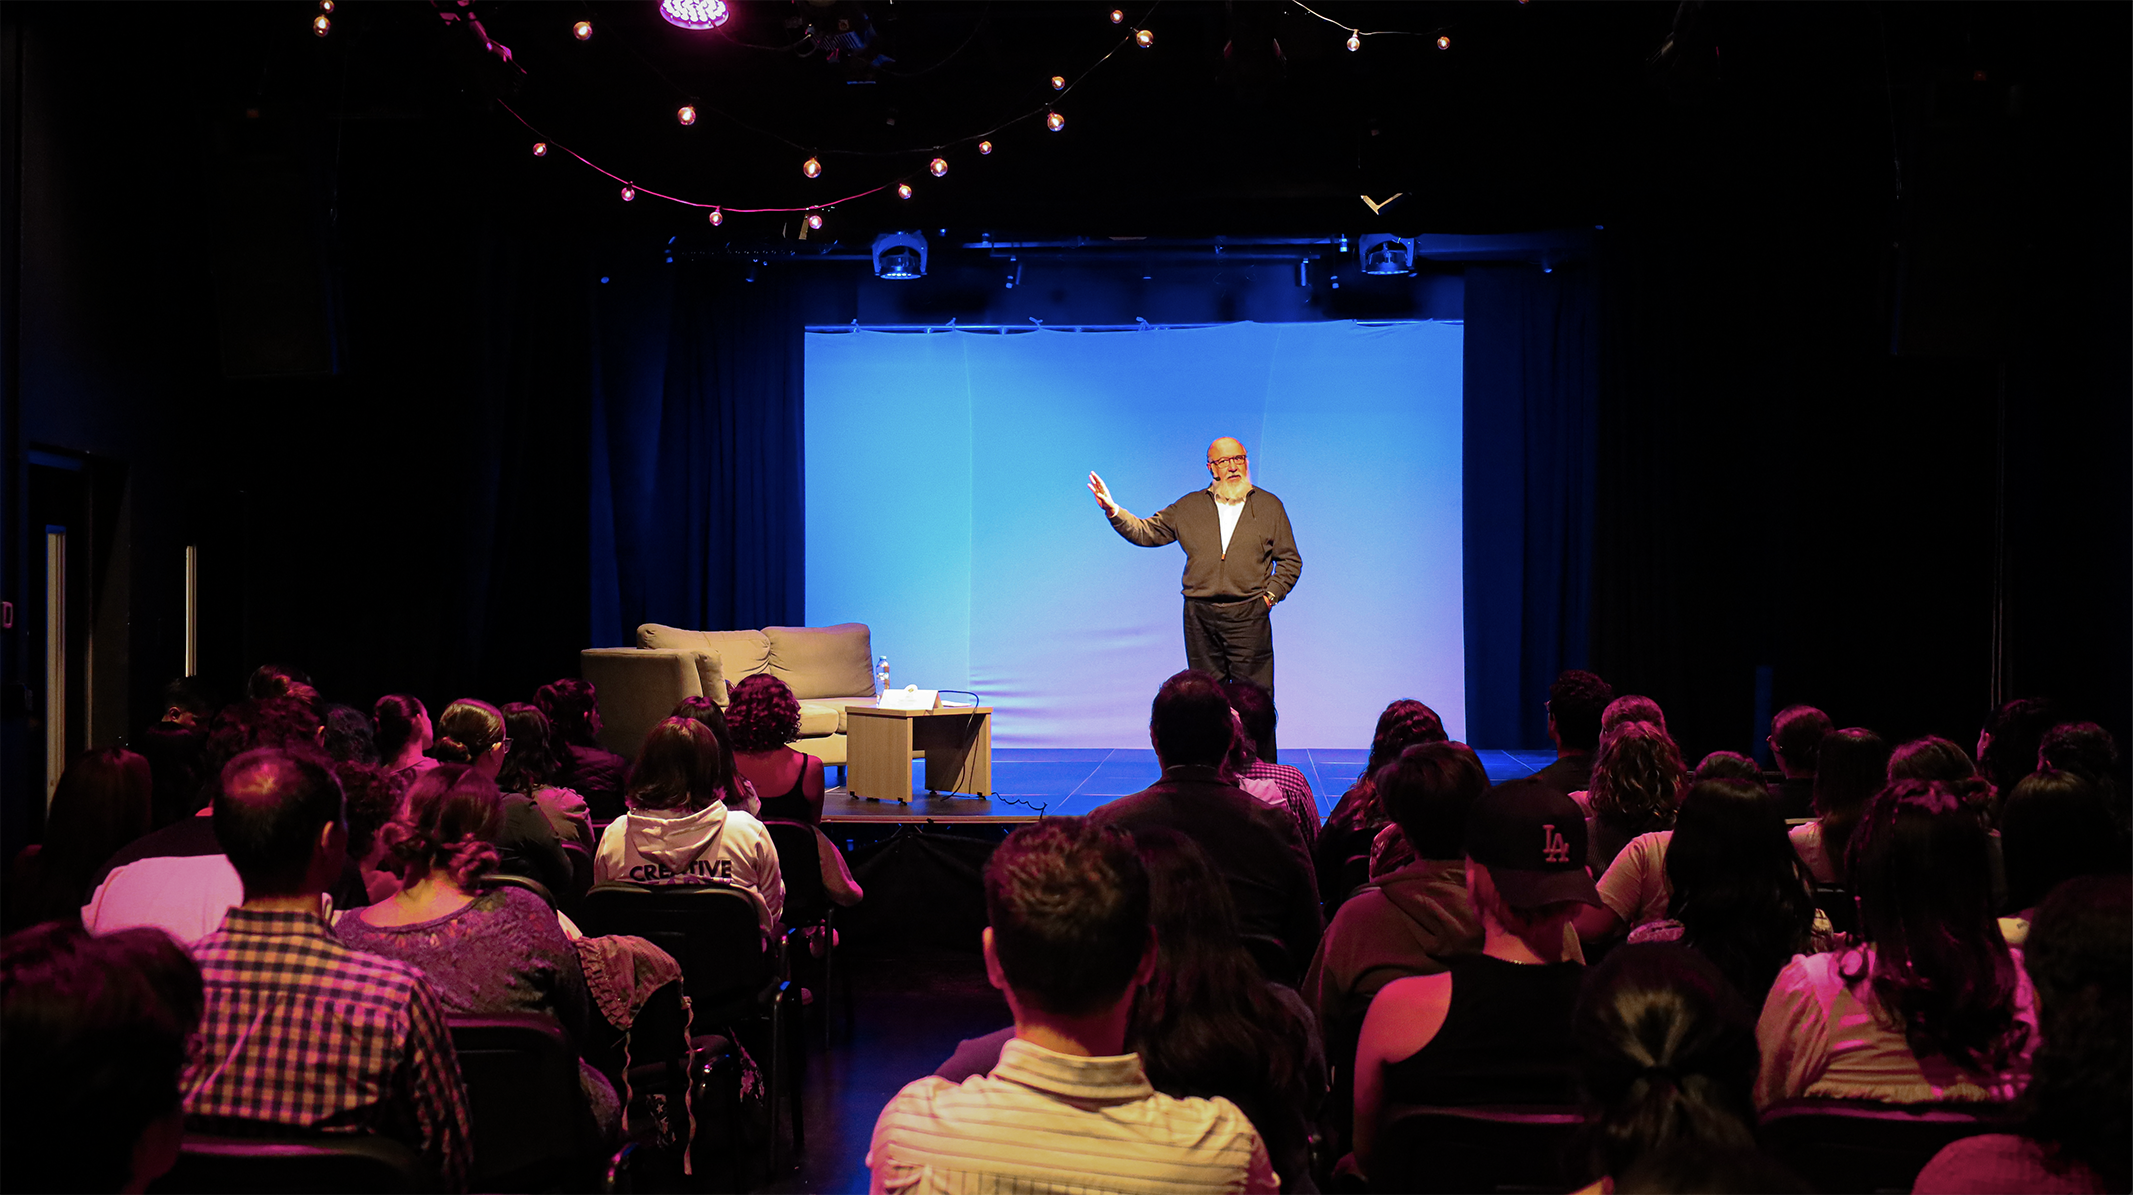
529	1113
1860	1145
581	873
329	1164
1835	901
504	879
710	929
1476	1149
800	864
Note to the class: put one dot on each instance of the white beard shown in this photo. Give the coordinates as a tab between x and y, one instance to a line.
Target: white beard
1231	492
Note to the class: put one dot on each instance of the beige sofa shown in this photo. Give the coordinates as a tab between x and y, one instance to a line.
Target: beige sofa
829	668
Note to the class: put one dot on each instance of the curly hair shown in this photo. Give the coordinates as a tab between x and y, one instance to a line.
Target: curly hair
762	714
1577	701
571	705
448	824
372	800
1636	777
1727	765
467	728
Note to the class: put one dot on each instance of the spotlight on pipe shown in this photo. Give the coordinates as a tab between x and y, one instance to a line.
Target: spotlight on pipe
1382	253
900	256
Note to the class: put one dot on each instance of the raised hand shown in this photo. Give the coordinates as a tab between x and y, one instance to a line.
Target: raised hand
1103	494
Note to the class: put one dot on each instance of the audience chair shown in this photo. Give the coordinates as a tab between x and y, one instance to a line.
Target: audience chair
1860	1145
499	879
328	1165
808	906
532	1128
1476	1149
732	978
1835	901
581	874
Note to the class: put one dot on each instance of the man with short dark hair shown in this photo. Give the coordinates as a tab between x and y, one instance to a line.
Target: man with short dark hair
1796	736
1255	709
1067	1108
301	1032
1576	702
1258	849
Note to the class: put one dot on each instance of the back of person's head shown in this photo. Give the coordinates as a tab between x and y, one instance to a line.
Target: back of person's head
448	825
371	798
1727	765
1636	777
706	711
1576	702
530	764
287	722
1934	758
762	714
1920	867
1850	767
1067	902
397	717
95	1032
2055	826
1631	708
275	680
468	729
100	804
1709	1170
187	696
1402	724
1739	889
1190	721
271	817
679	767
2088	751
2080	956
1525	853
349	735
1427	791
1666	1056
573	709
1796	735
1254	706
2008	750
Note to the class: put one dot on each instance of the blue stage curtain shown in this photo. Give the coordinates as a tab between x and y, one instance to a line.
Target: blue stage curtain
696	472
1532	382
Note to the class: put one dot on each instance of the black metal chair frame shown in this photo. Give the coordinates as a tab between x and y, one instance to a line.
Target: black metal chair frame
808	898
1526	1145
1845	1141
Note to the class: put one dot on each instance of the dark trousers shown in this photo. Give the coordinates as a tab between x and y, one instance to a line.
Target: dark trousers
1232	639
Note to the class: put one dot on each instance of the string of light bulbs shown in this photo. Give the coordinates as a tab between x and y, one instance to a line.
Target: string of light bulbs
1356	34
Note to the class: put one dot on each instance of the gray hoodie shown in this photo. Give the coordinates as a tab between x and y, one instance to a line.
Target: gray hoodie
713	845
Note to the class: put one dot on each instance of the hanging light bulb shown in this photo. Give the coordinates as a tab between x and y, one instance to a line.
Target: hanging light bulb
1144	38
985	147
540	149
814	219
321	25
629	193
686	114
1058	82
1118	16
903	190
1054	121
939	166
718	217
1355	41
325	5
1444	43
582	30
812	168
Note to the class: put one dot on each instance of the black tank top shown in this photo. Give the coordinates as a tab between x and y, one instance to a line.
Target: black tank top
1505	1040
790	806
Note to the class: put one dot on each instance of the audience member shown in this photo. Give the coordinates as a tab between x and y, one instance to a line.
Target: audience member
597	774
678	830
2007	743
1727	765
529	770
1341	857
372	799
1067	1107
175	748
740	792
403	737
1936	759
1731	887
277	680
102	802
1795	740
1256	849
481	950
285	721
2077	1113
95	1032
1255	708
1851	765
1576	703
1206	1023
1495	1028
764	716
472	732
1635	781
2088	751
1666	1058
300	1031
349	736
1930	1005
2055	827
1243	753
1631	708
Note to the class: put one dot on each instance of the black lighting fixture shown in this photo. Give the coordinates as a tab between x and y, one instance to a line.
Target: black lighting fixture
1384	254
900	255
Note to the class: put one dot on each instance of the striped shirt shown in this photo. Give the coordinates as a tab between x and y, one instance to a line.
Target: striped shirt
303	1033
1296	791
1057	1124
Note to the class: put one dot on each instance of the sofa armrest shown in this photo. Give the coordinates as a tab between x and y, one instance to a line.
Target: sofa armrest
638	689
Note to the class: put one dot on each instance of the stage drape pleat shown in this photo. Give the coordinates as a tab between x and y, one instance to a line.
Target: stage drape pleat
697	517
1532	375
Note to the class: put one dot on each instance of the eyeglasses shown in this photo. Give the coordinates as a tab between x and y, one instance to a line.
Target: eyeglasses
1226	461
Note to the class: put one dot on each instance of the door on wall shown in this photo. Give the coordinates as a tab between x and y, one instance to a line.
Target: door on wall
57	618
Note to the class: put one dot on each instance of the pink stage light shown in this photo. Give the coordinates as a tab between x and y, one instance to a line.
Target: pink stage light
695	14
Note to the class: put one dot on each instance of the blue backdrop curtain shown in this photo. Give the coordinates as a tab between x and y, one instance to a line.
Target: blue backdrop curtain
696	478
1532	382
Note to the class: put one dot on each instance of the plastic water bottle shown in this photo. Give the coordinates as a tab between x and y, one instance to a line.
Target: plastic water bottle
881	678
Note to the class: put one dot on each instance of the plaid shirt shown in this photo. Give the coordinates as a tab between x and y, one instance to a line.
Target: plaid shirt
302	1032
1296	791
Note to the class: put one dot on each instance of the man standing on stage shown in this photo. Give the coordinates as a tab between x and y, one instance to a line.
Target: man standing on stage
1234	536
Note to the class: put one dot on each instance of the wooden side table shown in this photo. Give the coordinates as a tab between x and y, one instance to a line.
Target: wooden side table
879	742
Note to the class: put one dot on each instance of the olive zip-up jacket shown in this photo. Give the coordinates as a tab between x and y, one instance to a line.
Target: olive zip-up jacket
1262	543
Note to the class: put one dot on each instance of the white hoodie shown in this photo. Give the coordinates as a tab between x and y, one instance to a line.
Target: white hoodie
714	845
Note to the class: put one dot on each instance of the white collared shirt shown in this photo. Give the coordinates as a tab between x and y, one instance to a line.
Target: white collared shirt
1228	512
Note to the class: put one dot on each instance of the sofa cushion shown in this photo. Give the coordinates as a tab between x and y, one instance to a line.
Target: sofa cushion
841	704
820	661
733	654
819	720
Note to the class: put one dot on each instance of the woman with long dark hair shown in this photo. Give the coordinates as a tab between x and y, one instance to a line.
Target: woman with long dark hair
678	829
597	774
1930	1005
1342	855
402	737
104	800
529	770
2054	826
1851	765
740	792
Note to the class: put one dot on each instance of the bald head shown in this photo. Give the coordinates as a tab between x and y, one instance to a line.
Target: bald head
277	814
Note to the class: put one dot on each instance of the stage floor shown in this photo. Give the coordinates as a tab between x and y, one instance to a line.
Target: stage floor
1029	783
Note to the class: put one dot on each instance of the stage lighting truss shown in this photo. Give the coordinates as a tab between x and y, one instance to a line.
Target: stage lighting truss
900	256
1383	254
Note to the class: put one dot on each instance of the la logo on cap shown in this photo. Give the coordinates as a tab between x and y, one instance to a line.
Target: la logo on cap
1554	847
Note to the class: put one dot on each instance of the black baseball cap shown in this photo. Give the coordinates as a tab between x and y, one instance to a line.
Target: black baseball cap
1532	840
